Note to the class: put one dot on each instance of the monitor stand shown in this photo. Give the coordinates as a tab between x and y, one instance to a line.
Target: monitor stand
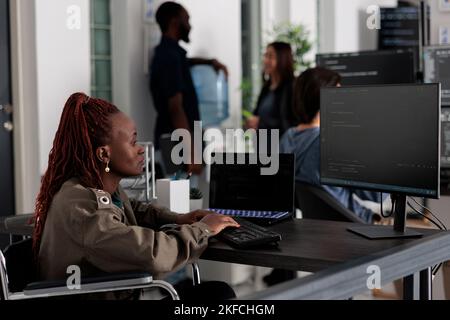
387	232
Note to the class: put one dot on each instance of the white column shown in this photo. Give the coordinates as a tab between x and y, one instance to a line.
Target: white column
24	87
63	62
273	13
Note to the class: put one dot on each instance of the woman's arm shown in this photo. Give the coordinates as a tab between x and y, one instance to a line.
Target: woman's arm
152	216
113	246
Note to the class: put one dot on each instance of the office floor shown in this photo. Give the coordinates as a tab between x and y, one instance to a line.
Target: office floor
390	291
255	284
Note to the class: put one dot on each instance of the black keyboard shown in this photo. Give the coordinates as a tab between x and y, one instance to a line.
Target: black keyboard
248	235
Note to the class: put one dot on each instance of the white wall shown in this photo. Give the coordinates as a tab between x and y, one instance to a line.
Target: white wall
216	33
305	12
343	24
130	81
49	62
24	80
276	12
273	12
63	65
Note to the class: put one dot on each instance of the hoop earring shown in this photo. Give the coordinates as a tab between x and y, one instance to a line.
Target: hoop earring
107	170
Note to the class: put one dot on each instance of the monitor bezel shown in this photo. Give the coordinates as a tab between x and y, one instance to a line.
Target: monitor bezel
387	189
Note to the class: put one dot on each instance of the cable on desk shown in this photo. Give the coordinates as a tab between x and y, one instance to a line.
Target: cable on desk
424	216
435	269
431	212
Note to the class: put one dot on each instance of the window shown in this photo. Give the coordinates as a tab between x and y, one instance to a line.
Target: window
101	78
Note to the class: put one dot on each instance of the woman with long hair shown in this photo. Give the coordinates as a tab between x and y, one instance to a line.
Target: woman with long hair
273	110
84	218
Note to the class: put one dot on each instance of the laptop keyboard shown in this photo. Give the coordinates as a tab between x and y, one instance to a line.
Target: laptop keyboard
248	235
252	213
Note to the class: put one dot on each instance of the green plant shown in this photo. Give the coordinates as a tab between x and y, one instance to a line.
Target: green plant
195	194
297	35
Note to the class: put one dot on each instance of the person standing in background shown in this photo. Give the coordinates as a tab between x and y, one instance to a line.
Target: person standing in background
171	83
273	109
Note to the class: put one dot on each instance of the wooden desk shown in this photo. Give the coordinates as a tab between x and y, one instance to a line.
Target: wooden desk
316	245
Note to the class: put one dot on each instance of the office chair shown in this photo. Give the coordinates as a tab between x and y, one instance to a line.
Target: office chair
316	203
17	273
17	225
17	270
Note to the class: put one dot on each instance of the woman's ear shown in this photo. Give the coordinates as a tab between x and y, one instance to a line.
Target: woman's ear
103	154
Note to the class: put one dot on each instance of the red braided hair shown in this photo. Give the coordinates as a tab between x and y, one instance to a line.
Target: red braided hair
84	126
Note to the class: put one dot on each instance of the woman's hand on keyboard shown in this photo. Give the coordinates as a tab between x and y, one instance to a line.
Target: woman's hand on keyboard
217	222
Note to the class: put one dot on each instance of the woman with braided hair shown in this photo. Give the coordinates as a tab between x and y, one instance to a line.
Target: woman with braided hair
84	218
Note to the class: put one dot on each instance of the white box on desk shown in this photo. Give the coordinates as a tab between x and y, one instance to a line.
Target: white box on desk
173	194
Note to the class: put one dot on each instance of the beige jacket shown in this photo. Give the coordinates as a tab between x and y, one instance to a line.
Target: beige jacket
85	228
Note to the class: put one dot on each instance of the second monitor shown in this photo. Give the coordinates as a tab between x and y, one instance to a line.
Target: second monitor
371	67
382	138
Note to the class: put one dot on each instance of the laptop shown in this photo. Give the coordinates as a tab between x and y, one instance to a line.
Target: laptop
241	190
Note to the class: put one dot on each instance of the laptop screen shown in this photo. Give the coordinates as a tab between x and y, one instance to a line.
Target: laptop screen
242	187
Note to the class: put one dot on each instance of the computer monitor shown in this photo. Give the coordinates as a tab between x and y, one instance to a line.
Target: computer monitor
371	67
382	138
437	69
400	27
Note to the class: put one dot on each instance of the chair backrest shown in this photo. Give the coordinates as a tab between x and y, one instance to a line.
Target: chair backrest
316	203
18	268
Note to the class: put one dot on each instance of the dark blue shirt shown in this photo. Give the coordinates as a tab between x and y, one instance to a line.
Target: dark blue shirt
266	111
170	74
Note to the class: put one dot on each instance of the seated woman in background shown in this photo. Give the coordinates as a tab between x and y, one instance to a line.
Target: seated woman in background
84	218
273	110
304	142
